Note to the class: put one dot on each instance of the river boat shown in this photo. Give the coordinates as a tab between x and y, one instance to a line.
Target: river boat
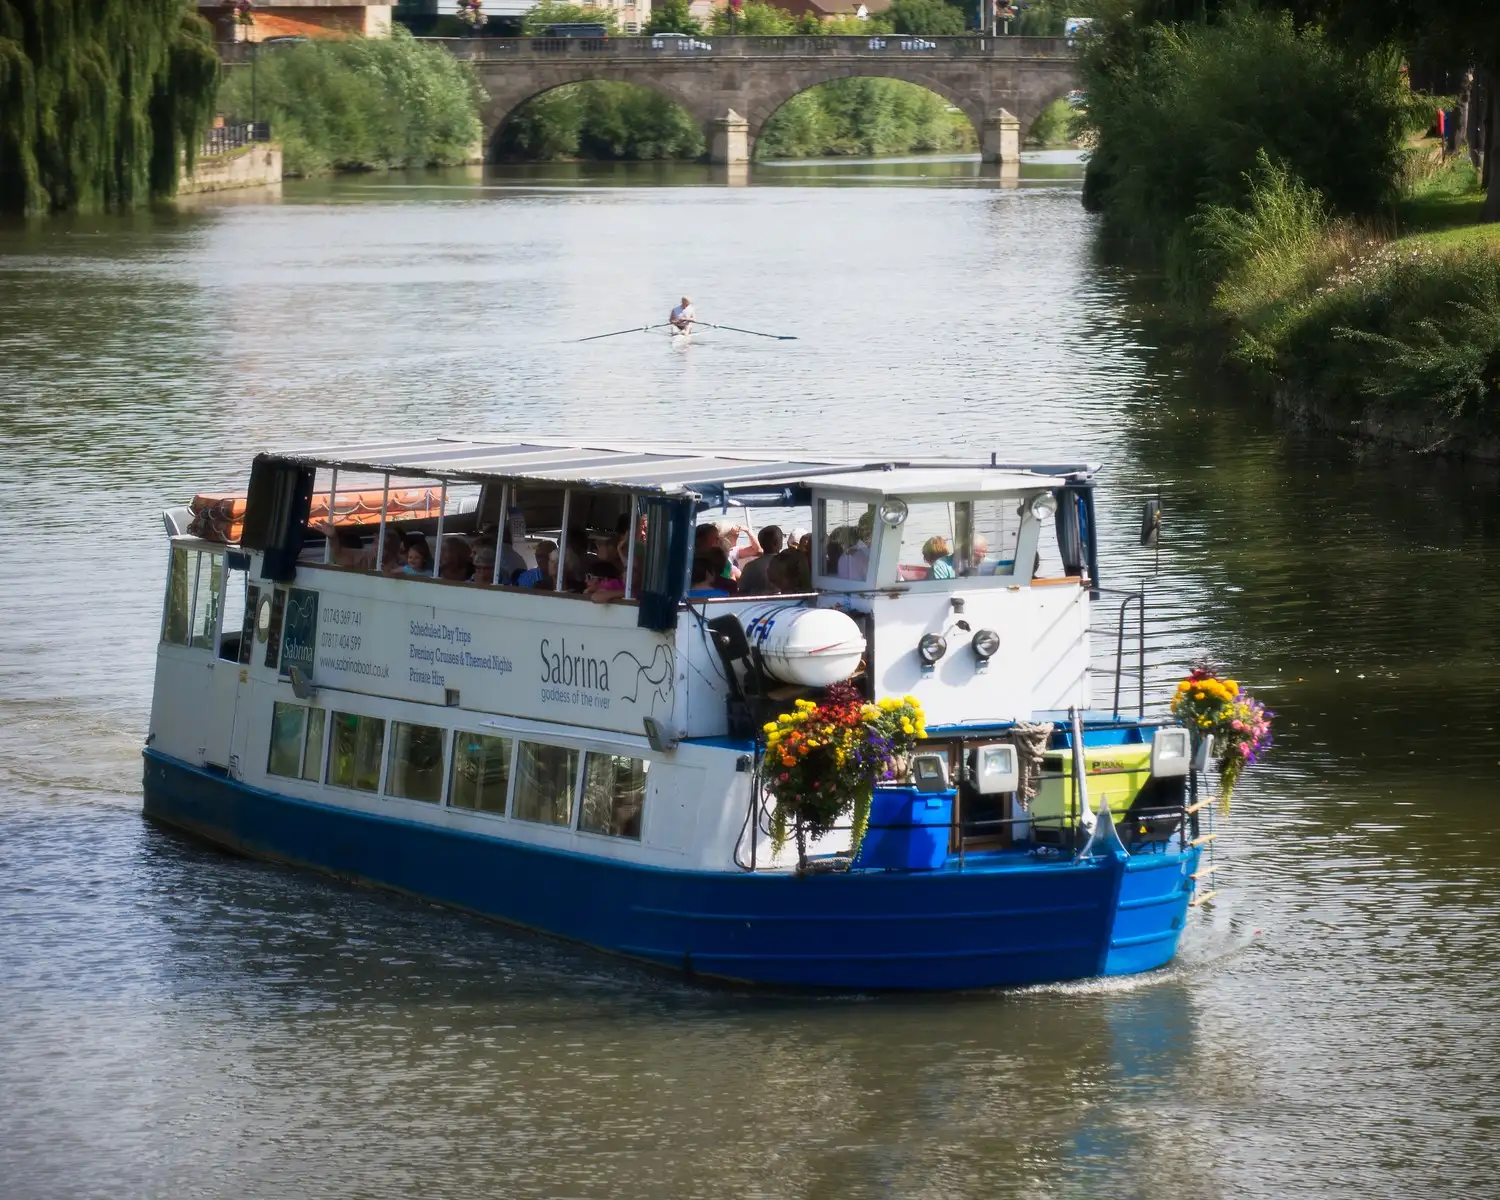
598	767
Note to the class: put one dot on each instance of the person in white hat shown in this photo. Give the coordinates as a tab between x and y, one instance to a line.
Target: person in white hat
683	315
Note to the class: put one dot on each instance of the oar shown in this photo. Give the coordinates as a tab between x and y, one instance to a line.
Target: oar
618	332
780	337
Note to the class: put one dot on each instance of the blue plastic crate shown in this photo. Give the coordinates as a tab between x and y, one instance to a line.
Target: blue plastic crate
918	840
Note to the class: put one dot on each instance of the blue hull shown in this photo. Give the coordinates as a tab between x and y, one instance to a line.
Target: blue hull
987	926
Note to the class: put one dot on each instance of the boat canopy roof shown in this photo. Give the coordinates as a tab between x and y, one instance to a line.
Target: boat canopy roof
710	474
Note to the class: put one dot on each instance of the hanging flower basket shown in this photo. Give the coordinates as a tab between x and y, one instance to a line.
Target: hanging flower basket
1239	723
822	762
470	12
241	13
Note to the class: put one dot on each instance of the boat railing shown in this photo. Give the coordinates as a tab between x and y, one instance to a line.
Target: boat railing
1160	824
1137	598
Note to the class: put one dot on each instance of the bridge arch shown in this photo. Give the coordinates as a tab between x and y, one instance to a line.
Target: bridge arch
503	101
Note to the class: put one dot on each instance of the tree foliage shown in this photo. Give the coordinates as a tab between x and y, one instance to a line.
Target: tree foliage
1182	114
863	117
99	100
549	12
932	18
362	103
605	121
672	16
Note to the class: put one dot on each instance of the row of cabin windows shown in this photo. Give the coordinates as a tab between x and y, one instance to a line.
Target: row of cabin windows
491	773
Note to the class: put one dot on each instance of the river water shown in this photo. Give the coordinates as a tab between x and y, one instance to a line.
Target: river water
180	1023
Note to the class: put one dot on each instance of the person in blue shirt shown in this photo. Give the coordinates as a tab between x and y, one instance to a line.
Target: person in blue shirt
705	580
539	575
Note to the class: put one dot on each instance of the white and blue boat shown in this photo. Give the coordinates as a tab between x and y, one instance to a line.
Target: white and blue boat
598	771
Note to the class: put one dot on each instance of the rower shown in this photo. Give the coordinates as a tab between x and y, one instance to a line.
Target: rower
683	315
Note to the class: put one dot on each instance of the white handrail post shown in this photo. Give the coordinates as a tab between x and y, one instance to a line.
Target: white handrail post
630	554
504	531
437	554
562	541
385	502
333	501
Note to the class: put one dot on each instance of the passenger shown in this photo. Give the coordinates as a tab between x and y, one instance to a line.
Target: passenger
938	555
511	562
603	583
706	580
543	571
455	560
800	539
418	556
484	565
978	552
392	559
790	572
575	559
753	578
855	563
720	560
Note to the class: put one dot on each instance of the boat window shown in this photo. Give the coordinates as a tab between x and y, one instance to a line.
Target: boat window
312	758
956	539
481	772
247	629
296	741
354	759
180	576
288	736
273	634
545	779
614	793
233	622
844	529
996	530
206	601
416	771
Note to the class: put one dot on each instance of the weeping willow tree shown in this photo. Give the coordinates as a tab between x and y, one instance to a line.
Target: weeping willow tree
99	100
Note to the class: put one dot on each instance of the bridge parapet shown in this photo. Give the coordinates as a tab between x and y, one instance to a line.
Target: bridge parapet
707	47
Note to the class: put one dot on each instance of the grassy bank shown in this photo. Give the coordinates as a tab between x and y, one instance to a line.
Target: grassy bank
1390	329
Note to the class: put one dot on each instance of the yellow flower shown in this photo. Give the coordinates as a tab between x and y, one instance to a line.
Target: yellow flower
770	726
1184	686
1197	695
912	700
907	726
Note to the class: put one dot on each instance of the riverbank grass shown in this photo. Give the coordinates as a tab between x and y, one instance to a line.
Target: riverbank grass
1391	327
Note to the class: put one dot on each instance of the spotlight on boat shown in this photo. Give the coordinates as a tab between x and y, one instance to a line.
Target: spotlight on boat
985	643
661	738
931	647
1044	506
893	511
929	772
302	686
1170	751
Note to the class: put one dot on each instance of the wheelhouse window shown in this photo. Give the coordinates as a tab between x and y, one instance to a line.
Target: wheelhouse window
296	741
416	767
481	772
959	539
545	780
614	795
354	758
845	529
193	582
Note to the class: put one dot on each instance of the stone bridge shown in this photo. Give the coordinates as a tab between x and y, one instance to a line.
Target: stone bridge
732	85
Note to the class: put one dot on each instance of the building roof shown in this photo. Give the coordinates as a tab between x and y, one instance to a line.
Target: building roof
708	473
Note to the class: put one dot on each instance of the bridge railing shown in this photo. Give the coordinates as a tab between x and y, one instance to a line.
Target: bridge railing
712	46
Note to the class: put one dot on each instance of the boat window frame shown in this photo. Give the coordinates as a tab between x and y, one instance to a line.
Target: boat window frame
583	766
388	771
329	731
578	751
509	739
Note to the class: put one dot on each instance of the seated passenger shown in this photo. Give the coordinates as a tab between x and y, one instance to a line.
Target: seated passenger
938	555
392	558
542	575
706	579
978	552
855	563
484	564
418	556
791	572
602	583
753	578
456	560
719	558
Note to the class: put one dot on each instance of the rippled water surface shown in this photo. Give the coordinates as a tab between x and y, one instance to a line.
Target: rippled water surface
179	1023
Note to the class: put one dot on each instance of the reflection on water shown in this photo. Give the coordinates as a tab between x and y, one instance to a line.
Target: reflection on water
178	1022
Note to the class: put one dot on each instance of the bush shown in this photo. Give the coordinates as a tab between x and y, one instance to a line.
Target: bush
930	17
1181	117
361	103
863	116
609	121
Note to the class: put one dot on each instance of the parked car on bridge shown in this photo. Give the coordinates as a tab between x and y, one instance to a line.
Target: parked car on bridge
576	29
